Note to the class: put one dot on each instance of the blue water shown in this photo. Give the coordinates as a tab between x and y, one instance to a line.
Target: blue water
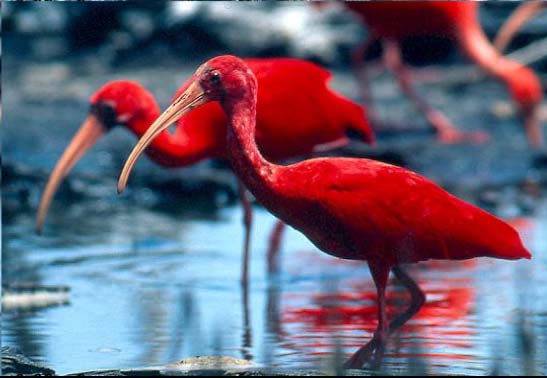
151	288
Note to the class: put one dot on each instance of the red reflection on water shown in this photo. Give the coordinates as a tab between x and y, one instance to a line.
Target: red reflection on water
440	327
441	308
453	356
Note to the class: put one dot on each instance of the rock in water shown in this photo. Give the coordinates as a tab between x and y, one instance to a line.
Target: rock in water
14	363
211	363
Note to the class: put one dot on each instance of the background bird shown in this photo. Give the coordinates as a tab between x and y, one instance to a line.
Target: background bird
297	115
391	22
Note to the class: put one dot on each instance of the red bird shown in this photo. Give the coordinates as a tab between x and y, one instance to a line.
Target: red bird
391	21
356	209
291	122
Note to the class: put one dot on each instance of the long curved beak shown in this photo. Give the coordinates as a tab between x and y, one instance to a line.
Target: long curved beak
192	97
91	130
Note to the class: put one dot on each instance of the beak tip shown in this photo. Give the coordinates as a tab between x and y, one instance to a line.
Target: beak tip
120	188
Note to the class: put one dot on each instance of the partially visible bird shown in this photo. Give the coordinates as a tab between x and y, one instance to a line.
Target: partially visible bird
297	114
391	22
355	209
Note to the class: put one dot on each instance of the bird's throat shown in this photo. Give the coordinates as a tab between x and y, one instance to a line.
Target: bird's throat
255	172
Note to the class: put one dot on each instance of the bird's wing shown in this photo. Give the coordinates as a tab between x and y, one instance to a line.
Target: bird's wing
297	69
389	207
296	110
284	80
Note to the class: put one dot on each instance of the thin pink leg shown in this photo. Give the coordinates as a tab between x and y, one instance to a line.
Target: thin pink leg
446	132
247	337
273	248
373	351
417	298
247	223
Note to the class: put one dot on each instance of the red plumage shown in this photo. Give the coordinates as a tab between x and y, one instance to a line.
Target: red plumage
367	210
400	19
296	111
292	122
350	208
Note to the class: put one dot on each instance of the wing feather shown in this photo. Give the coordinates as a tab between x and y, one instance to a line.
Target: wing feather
392	212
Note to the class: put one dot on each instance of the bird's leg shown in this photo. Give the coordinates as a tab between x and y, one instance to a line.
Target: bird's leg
273	248
417	298
247	337
522	14
247	222
273	316
373	351
446	132
359	67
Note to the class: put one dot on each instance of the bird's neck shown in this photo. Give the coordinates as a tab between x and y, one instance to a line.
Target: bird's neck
254	171
170	149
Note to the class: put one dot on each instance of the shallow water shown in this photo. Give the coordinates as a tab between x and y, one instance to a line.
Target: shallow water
154	274
149	288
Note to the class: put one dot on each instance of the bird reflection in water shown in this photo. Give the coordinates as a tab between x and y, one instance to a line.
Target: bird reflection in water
439	330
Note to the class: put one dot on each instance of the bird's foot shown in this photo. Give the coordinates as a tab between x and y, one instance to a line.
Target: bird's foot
453	136
448	134
370	354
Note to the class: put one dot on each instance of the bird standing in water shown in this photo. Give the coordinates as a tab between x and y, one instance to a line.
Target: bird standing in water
355	209
314	119
392	21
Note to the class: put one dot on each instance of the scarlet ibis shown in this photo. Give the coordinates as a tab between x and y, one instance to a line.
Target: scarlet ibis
311	119
457	20
522	14
350	208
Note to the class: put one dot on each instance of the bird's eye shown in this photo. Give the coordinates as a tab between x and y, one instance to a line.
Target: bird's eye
215	77
106	113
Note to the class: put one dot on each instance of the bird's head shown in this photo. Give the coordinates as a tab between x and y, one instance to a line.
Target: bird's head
119	102
526	90
116	103
226	79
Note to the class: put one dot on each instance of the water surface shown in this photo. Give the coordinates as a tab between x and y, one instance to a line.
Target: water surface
148	288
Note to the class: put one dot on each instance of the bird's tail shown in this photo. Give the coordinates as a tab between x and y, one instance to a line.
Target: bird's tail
480	235
513	250
506	244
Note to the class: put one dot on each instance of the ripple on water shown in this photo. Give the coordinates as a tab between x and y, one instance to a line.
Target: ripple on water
173	291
